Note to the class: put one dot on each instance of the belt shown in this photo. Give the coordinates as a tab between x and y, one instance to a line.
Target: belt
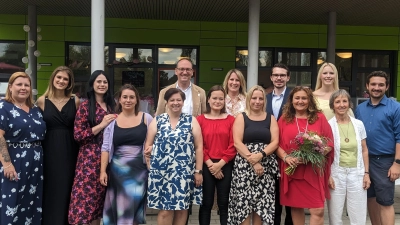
381	156
25	144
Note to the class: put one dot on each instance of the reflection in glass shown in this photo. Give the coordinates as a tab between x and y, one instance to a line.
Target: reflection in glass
133	55
264	58
295	58
373	60
264	79
11	55
343	66
123	75
172	55
298	78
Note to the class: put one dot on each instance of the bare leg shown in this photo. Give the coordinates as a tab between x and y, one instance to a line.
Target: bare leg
95	222
298	216
165	217
256	219
246	221
317	216
387	215
373	210
180	217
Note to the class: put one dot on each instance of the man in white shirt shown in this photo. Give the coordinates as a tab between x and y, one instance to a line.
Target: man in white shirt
275	102
195	103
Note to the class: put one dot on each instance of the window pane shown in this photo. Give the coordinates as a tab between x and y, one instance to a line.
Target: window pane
264	58
343	65
321	59
299	79
372	60
142	79
11	55
133	55
172	55
295	58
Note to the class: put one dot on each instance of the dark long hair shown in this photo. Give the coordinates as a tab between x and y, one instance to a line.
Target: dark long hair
108	98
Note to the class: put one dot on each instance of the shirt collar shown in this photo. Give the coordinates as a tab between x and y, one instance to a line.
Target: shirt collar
282	94
177	86
383	101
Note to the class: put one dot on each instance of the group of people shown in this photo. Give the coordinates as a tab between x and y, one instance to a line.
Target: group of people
71	162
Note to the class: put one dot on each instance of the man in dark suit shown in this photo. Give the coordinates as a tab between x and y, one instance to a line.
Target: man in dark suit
275	102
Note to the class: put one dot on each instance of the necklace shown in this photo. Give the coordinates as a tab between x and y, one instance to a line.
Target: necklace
298	128
346	137
58	102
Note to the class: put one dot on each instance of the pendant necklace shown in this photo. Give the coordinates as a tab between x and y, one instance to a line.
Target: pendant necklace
298	129
346	139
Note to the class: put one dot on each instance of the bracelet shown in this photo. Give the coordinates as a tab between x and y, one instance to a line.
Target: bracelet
284	158
366	172
7	166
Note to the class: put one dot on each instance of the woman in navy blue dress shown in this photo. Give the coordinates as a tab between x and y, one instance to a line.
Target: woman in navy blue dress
21	130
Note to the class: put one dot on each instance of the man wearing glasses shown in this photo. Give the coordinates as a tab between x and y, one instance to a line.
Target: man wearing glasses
195	103
275	102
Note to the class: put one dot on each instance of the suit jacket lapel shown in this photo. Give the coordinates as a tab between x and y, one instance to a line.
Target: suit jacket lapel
285	97
269	103
195	101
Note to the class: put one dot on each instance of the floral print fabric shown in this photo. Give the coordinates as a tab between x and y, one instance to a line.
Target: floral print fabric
87	197
21	201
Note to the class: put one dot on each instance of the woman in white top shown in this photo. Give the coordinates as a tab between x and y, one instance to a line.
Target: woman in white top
235	86
349	179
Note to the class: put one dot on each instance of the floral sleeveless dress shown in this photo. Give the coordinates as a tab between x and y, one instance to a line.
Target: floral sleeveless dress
172	165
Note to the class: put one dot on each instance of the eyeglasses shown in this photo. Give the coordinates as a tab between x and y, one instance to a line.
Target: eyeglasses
279	75
184	69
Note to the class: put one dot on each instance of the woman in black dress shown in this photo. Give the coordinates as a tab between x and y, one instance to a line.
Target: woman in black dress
59	147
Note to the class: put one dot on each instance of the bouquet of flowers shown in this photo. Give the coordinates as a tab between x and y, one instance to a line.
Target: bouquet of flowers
312	148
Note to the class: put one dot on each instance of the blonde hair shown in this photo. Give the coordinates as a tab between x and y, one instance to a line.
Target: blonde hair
14	76
250	94
242	89
318	85
51	89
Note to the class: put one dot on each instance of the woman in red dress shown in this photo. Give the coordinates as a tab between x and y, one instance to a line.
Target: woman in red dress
305	188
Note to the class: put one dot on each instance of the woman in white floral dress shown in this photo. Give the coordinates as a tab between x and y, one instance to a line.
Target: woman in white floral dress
21	130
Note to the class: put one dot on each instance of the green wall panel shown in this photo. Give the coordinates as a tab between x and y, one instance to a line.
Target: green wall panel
367	30
77	21
289	40
288	28
367	42
78	34
322	40
52	33
151	24
11	32
206	86
218	42
143	36
218	34
216	77
51	48
12	19
218	26
217	53
55	61
42	85
49	20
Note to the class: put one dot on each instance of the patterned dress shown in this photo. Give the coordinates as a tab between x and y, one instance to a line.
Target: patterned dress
249	192
87	197
172	165
21	201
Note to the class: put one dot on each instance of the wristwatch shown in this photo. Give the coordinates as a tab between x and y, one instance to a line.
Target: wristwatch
198	171
397	161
